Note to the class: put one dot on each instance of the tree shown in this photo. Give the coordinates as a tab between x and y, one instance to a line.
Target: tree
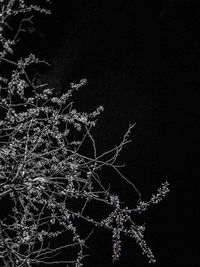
46	171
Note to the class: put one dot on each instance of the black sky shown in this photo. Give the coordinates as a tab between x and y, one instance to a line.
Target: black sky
142	62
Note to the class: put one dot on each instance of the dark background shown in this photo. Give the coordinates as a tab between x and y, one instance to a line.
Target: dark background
142	62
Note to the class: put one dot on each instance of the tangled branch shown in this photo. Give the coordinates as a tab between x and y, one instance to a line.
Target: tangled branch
45	173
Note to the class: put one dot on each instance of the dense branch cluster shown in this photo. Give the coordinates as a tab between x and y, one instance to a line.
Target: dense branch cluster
45	173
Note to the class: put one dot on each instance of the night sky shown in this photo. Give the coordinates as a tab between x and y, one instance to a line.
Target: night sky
142	62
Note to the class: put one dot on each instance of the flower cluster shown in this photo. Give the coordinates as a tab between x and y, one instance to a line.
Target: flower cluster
45	173
155	199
